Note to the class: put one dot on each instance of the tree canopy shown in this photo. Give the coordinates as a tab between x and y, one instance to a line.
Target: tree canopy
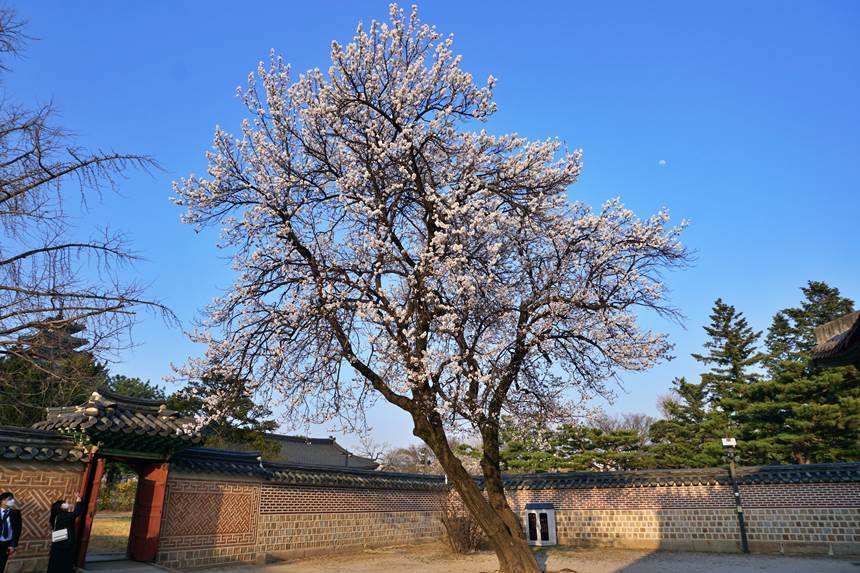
385	246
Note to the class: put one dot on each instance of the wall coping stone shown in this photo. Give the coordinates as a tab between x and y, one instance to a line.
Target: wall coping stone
211	460
27	444
848	472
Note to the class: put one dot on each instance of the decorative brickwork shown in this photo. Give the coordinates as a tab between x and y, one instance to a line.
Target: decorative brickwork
36	486
656	497
792	517
285	520
201	513
279	499
801	495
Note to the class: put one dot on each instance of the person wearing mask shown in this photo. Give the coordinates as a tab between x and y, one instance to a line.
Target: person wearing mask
10	528
63	546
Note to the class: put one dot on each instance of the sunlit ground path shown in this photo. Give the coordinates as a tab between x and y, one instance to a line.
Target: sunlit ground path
110	533
437	559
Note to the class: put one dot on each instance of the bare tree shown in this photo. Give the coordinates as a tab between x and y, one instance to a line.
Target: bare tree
637	422
52	279
384	250
411	459
370	448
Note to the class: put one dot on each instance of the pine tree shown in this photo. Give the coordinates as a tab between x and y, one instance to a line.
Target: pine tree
799	417
689	436
792	333
582	448
802	415
234	419
134	387
732	354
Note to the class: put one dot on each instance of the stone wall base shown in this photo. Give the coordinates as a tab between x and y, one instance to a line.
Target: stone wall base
27	565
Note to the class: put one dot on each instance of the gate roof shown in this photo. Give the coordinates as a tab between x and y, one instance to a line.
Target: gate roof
121	425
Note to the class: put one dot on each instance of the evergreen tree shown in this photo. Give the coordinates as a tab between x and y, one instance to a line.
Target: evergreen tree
573	448
233	419
582	448
689	435
802	415
731	355
792	332
525	455
135	387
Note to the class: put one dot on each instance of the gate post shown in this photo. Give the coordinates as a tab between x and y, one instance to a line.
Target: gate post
90	496
148	506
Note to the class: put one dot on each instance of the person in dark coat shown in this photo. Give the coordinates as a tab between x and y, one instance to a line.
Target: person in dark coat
64	553
10	527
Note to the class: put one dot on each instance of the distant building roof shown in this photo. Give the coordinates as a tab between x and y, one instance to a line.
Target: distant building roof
325	452
838	342
212	460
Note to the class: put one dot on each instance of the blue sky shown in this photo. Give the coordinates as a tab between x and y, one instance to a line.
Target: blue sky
741	117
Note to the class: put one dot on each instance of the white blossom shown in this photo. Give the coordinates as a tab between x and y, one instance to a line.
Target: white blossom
386	246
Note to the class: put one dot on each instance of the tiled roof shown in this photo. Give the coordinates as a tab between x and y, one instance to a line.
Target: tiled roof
837	472
838	341
211	460
348	477
120	422
316	452
26	444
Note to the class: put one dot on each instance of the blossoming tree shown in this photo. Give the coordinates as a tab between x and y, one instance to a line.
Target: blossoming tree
385	247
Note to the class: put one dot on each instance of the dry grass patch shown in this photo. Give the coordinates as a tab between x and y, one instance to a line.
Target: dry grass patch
110	532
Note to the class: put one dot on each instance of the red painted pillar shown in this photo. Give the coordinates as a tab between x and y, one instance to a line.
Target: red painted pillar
148	505
90	495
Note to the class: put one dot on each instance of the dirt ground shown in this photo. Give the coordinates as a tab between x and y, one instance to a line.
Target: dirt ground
438	559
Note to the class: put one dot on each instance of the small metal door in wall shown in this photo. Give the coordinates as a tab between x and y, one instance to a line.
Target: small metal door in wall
540	524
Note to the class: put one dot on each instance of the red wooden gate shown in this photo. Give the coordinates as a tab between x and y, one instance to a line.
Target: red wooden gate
146	519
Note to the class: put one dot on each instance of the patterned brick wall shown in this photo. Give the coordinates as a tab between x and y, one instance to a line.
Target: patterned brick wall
800	518
214	521
204	513
665	497
279	499
36	485
801	495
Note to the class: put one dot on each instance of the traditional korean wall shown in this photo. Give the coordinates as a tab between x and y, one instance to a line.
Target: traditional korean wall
809	518
215	520
36	486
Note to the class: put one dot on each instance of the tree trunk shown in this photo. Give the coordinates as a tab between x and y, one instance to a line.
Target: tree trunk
494	485
492	513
